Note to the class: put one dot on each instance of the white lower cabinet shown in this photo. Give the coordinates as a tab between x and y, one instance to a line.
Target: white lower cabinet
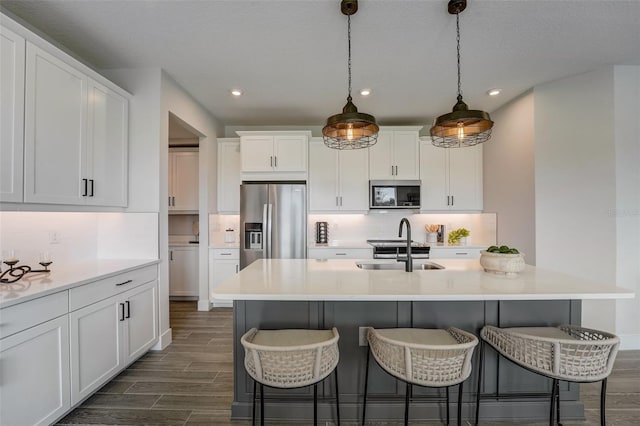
34	372
223	264
108	335
183	271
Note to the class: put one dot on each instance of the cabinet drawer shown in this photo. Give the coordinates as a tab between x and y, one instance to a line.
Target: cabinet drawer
454	253
28	314
225	253
99	290
338	253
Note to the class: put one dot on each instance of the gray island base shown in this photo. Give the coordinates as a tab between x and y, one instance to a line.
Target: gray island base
320	294
520	395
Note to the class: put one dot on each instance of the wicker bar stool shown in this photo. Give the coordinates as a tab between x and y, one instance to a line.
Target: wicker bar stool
566	352
424	357
290	359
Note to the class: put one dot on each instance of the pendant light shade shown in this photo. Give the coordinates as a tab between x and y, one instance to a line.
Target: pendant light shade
350	129
462	126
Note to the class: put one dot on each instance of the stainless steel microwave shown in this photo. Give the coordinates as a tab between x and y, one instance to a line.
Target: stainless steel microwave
394	194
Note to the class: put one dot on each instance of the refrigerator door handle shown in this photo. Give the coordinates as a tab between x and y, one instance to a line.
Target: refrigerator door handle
269	230
265	230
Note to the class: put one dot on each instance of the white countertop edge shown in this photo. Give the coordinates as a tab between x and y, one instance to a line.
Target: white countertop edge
419	298
224	246
71	282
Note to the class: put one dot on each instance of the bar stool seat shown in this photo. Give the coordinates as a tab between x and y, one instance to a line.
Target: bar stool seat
424	357
291	358
566	352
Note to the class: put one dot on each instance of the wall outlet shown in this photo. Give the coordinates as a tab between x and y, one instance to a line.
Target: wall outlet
54	237
362	336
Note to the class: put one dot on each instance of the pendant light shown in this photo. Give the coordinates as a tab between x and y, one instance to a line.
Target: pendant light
462	126
350	129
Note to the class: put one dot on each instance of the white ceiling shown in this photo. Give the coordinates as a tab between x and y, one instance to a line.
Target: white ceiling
289	57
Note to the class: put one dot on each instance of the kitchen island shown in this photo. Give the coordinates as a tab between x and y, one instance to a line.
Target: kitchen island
306	293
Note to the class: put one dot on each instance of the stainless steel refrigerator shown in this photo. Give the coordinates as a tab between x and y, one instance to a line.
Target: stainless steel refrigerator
273	221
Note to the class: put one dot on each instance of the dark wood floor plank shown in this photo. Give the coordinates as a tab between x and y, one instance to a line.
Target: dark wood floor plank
98	416
196	402
101	400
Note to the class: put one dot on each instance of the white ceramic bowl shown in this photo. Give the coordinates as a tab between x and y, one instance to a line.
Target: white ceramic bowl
502	263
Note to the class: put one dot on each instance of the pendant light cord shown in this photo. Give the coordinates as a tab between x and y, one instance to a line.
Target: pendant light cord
458	42
349	44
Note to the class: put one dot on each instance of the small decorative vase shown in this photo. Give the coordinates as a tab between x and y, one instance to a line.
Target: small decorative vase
432	237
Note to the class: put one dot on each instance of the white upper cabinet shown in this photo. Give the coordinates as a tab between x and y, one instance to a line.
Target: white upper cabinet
229	175
338	180
55	139
396	154
12	50
107	142
64	127
183	179
273	155
451	178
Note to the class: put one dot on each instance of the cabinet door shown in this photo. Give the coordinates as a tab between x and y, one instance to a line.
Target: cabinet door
55	118
183	271
107	141
256	153
290	153
95	345
222	270
381	157
406	154
184	180
229	177
465	178
34	367
323	177
141	321
354	180
433	173
11	115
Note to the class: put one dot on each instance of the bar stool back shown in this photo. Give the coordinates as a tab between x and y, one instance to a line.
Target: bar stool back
424	357
566	352
290	359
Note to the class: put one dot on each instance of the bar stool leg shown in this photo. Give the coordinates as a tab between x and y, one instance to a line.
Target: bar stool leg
315	404
603	402
447	405
479	388
261	405
554	388
335	372
366	380
253	409
558	402
406	404
460	404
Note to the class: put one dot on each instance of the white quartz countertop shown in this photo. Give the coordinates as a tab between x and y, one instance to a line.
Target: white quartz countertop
63	277
462	279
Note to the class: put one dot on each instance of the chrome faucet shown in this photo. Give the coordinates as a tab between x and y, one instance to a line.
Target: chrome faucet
409	260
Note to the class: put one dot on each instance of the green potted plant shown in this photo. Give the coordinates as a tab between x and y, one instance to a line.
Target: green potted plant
502	260
457	235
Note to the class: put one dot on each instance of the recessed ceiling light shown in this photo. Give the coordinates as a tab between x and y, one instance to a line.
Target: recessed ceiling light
365	92
236	92
494	92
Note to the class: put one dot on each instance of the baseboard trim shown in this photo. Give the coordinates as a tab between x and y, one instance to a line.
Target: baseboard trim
629	342
217	303
204	305
165	340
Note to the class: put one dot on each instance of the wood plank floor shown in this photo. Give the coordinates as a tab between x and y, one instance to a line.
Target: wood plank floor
191	381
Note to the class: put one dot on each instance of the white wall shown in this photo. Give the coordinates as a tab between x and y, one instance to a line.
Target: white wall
177	101
627	212
509	175
575	187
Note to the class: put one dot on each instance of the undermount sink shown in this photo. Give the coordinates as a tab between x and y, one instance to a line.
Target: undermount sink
398	266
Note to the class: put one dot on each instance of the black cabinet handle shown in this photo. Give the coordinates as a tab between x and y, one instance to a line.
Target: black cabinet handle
84	191
92	185
121	311
452	203
123	283
237	269
128	309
